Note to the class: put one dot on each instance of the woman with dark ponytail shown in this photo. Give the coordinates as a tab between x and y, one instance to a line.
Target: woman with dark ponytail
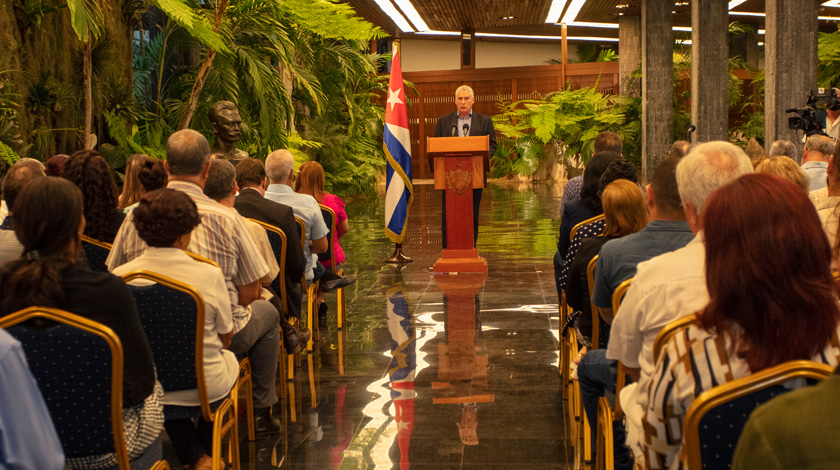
48	221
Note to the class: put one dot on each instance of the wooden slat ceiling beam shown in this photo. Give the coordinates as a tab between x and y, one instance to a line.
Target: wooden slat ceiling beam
491	16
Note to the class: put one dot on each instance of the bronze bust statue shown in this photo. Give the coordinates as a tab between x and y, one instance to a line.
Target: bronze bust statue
227	125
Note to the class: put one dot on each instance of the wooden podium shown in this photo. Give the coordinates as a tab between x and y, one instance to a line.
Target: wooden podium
459	164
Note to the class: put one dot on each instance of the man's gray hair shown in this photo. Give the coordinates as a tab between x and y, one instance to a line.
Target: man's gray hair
18	176
465	88
783	148
820	143
706	168
220	179
278	164
186	153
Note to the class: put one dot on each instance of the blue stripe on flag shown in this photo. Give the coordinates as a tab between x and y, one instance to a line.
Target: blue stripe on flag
399	165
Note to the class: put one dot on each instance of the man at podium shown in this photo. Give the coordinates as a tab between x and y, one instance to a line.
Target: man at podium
463	123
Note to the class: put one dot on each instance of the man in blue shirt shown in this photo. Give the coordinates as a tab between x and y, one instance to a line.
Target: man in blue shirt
667	231
28	440
818	149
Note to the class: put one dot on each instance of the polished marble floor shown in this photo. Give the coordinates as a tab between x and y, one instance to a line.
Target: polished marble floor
422	380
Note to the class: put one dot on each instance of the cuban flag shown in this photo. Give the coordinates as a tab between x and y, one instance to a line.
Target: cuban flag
399	192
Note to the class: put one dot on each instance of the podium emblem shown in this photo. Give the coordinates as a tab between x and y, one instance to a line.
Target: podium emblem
458	181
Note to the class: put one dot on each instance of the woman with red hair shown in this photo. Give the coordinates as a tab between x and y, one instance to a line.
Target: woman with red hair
771	301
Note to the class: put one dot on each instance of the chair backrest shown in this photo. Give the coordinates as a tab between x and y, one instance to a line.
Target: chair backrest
198	257
671	329
301	232
587	221
96	252
619	293
590	282
617	297
277	240
330	220
716	418
172	314
78	364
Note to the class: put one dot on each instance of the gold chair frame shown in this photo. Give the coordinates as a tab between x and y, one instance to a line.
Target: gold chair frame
160	465
596	317
229	406
587	221
605	457
341	302
96	242
669	331
721	394
117	358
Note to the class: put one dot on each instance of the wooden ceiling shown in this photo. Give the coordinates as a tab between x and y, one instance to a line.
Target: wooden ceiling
489	16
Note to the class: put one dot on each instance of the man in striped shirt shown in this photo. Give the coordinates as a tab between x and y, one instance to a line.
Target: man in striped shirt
223	238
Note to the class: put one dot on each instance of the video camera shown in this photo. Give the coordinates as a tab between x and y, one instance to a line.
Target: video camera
809	119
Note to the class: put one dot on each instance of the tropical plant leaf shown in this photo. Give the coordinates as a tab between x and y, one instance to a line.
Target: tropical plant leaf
195	24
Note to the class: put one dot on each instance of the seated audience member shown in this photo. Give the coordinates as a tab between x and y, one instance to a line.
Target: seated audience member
818	149
784	148
625	213
747	329
29	440
165	220
18	176
280	169
55	165
796	430
91	173
679	148
311	181
48	220
132	189
617	261
35	164
575	212
152	176
223	238
604	141
618	169
670	286
829	206
785	168
755	152
221	187
251	203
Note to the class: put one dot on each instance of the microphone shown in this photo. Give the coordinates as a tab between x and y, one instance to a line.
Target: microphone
466	129
454	130
691	129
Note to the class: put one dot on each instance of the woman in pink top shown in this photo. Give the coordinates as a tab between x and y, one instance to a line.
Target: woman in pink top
310	181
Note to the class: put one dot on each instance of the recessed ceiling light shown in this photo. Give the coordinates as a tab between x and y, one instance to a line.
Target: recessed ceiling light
735	3
555	11
389	9
572	11
413	16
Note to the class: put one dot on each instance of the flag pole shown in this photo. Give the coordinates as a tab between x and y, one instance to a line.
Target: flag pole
399	257
398	153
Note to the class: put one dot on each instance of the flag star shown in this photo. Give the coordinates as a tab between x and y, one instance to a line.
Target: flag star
394	97
402	425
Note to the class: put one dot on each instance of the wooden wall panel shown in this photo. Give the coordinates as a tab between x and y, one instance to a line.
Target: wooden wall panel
435	94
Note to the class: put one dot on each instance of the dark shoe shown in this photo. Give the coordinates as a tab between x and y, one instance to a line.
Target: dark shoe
291	340
264	423
304	334
337	283
322	312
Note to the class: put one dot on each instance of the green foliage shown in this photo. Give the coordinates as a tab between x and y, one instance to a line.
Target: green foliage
188	17
86	18
590	53
569	118
828	55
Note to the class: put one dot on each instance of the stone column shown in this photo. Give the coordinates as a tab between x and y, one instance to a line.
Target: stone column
657	83
790	64
629	53
709	70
